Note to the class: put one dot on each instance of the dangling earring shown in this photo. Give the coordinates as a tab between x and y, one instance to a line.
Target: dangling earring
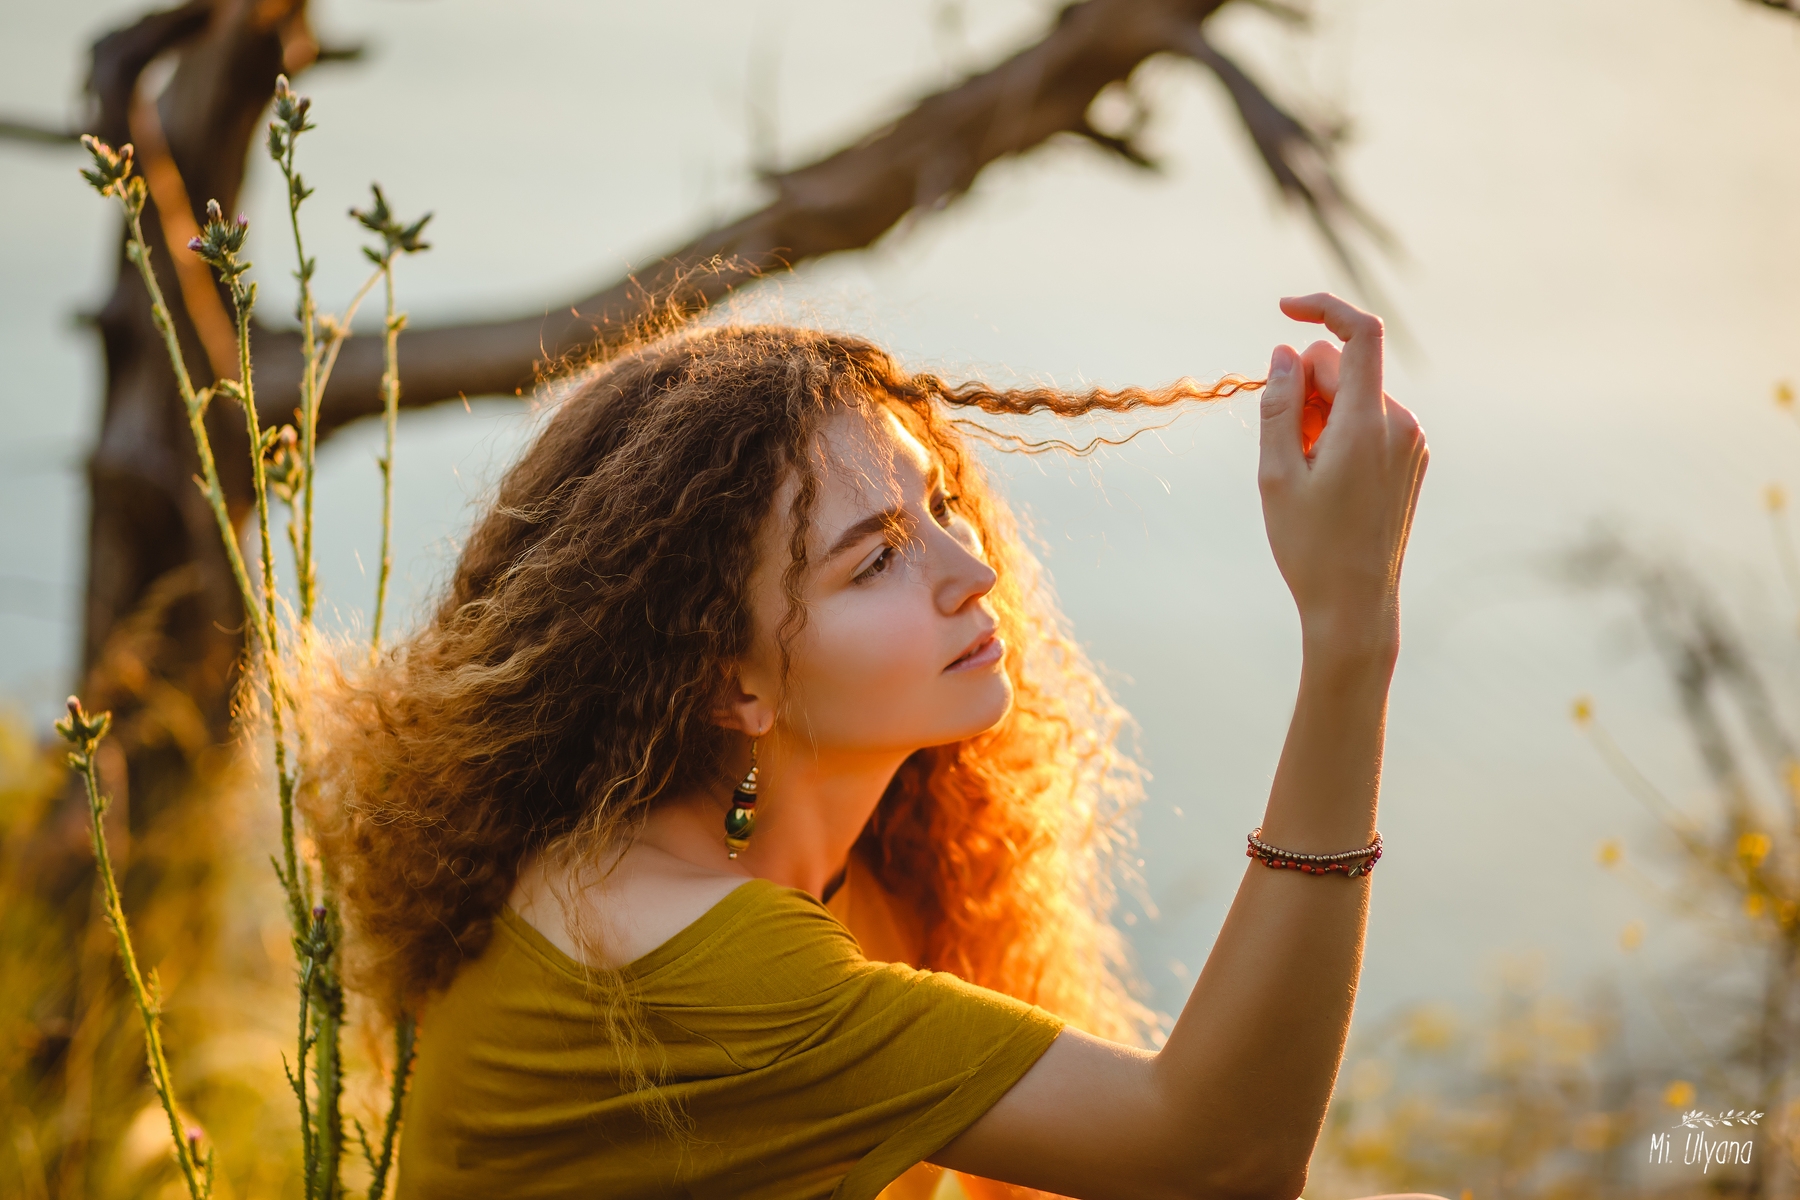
740	818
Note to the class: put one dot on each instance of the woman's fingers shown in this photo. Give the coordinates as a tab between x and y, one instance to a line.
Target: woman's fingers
1344	319
1338	524
1321	369
1421	460
1359	365
1321	359
1283	401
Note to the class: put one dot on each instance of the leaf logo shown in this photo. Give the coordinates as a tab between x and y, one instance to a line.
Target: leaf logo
1695	1119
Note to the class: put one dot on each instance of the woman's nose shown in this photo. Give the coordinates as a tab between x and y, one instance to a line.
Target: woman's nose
965	574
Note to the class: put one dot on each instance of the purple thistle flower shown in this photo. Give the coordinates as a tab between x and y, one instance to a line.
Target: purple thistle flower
195	244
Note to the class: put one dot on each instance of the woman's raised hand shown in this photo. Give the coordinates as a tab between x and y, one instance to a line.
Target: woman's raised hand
1339	474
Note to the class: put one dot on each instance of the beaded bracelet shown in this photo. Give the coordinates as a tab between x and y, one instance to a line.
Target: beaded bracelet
1315	864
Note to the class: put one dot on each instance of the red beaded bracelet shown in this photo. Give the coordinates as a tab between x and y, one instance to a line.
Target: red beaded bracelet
1315	864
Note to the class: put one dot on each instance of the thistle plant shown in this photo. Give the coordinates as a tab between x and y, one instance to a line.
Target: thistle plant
83	732
289	123
282	465
396	239
112	176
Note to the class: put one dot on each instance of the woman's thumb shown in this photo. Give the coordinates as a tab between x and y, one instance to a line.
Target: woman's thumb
1283	401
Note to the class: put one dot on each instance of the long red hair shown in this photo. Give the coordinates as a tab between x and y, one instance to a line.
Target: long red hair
563	684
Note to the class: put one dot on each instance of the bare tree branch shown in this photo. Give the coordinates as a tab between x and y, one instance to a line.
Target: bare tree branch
1123	146
848	200
1298	156
1299	15
31	131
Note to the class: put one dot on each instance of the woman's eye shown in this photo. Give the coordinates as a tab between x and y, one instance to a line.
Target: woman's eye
943	507
877	567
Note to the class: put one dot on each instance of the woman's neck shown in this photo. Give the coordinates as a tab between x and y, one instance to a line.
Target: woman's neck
809	813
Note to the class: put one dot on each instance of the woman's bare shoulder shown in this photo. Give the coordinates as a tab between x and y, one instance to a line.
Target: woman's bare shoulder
611	917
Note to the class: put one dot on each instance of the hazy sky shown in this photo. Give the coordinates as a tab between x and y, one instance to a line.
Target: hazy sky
1599	203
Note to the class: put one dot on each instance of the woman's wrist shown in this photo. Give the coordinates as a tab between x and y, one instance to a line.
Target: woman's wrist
1351	646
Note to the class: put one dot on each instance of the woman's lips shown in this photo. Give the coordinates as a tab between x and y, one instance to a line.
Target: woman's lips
985	654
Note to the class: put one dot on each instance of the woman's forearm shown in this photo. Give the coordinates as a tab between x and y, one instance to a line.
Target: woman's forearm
1326	783
1256	1050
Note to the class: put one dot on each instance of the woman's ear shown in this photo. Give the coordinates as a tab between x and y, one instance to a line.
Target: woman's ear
743	711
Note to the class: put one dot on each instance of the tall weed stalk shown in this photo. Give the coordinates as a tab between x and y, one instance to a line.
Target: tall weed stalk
282	466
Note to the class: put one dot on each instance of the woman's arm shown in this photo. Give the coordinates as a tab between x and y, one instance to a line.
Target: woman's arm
1233	1103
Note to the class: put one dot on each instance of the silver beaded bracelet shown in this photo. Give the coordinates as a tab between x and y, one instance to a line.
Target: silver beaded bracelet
1274	856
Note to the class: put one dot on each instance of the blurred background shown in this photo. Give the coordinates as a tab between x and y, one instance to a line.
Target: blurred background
1594	279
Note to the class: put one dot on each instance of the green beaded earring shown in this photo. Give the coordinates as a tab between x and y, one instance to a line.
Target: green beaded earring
740	818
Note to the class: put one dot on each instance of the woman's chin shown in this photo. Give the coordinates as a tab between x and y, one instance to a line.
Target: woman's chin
983	715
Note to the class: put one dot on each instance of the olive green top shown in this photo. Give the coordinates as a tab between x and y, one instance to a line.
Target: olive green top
804	1069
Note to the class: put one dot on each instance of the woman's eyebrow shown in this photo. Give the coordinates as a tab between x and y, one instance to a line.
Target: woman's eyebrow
887	518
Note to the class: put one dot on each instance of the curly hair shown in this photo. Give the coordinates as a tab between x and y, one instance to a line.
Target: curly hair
564	683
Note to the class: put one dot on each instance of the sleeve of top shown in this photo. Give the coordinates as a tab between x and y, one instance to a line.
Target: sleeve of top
845	1066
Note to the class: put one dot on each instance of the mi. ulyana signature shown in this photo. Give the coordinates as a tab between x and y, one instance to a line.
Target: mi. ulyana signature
1698	1149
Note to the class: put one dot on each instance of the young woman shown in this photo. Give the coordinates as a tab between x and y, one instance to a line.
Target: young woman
738	824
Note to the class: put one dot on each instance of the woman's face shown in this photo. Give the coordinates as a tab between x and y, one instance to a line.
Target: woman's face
898	650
